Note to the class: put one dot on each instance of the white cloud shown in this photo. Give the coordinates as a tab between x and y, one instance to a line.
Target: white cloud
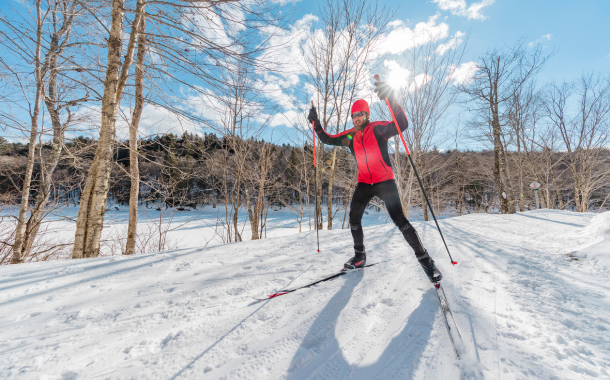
287	44
283	2
288	118
461	8
282	87
546	37
155	120
464	74
272	88
451	44
235	19
209	23
397	77
419	81
402	38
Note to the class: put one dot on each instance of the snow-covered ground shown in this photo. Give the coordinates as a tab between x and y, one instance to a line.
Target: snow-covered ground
202	227
530	294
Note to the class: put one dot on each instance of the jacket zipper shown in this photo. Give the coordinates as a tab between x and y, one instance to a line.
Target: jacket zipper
365	157
382	164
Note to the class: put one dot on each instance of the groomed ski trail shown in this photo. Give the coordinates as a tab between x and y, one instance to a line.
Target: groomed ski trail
525	308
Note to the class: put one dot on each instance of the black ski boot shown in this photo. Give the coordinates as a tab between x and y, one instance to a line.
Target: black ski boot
434	275
358	261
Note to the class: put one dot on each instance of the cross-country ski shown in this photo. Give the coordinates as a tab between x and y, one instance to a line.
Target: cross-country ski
328	277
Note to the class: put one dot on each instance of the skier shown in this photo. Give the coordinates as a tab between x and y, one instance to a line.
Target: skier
368	142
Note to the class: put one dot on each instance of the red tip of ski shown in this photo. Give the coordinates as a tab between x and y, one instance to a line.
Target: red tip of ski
454	262
277	294
318	250
437	285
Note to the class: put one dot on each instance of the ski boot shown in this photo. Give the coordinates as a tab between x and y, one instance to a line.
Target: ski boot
434	275
358	261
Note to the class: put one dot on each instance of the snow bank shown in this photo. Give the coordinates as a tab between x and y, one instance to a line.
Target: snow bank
597	250
525	308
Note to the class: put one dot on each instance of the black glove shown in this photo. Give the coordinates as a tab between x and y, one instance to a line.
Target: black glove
313	116
384	91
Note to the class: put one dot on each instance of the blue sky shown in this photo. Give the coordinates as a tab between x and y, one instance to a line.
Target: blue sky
577	31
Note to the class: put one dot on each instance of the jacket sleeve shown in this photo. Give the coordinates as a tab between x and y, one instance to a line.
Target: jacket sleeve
388	129
339	140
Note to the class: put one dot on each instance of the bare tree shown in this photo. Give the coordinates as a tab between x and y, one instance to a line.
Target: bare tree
501	73
549	167
523	118
93	198
50	26
584	130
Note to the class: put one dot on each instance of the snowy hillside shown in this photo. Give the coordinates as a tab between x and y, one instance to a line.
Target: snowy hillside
530	294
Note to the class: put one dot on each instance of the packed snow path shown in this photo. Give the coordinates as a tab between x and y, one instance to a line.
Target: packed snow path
530	294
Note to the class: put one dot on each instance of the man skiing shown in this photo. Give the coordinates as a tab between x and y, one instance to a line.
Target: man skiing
368	142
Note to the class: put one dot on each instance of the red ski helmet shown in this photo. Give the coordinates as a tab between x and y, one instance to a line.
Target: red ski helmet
361	105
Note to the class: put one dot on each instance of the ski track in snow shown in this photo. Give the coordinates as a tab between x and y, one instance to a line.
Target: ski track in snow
530	295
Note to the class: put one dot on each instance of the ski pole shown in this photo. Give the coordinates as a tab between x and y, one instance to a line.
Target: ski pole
315	179
416	174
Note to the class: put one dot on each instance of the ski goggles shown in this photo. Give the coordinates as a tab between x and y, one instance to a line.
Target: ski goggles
358	114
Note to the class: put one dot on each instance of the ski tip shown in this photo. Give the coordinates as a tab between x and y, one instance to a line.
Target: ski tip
454	262
437	285
318	250
269	296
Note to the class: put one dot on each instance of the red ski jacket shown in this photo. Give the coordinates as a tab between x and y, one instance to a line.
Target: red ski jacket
370	146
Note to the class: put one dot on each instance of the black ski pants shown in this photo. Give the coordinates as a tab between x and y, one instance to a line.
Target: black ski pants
388	193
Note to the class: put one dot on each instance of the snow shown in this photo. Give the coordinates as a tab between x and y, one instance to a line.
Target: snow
180	226
529	294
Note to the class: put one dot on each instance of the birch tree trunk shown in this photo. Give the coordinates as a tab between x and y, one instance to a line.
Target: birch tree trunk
27	180
253	216
90	218
134	170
